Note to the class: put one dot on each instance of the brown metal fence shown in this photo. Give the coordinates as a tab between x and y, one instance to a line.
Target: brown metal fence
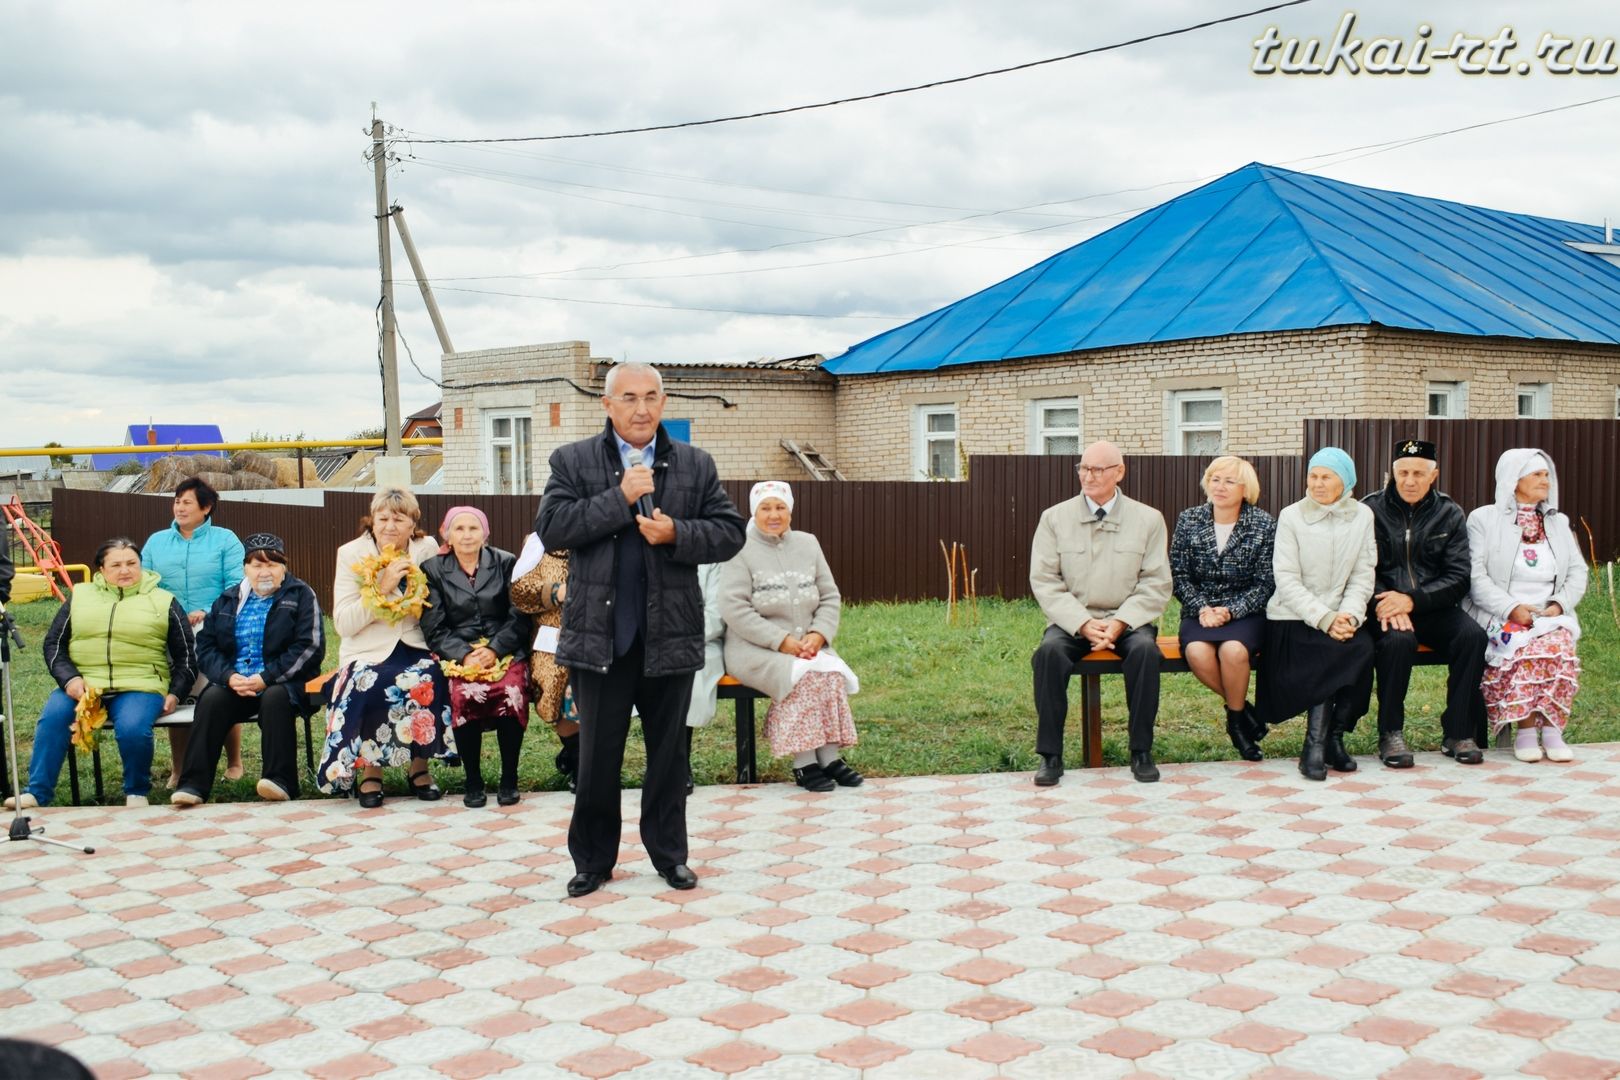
883	538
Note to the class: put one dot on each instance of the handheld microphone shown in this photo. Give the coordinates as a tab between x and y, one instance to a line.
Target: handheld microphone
644	505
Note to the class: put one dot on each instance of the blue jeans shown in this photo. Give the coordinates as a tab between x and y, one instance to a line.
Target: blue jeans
131	714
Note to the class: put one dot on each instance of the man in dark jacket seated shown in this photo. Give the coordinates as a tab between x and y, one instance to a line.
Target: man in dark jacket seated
1423	574
638	513
259	644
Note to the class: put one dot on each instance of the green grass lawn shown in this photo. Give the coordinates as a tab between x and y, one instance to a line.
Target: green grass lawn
934	699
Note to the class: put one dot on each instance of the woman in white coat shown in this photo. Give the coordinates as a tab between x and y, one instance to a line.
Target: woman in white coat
390	701
1316	647
1528	576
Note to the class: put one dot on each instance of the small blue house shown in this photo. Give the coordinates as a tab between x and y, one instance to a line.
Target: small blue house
162	438
1219	319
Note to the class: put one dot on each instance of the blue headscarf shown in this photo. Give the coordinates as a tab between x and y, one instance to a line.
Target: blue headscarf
1331	457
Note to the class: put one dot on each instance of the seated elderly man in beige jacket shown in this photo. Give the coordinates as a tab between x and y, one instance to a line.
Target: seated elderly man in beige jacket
1100	569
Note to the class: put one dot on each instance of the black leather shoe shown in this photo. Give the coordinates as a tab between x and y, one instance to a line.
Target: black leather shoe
369	798
842	774
474	796
427	792
1142	766
506	795
1239	731
1335	756
1050	772
679	876
585	882
811	778
1312	764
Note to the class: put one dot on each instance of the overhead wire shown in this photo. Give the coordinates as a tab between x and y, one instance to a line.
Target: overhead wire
852	99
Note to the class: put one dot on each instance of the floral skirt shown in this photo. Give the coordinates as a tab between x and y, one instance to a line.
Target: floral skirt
1541	679
384	714
508	696
814	714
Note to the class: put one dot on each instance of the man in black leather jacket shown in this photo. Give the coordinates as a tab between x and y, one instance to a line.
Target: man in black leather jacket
1423	573
638	512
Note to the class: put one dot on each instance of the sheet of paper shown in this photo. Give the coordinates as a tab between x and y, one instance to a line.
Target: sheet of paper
546	640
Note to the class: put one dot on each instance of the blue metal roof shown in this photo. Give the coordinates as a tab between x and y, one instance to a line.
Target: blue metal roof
167	435
1264	249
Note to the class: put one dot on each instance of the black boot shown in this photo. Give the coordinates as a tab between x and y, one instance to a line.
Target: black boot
1241	732
1311	764
1334	754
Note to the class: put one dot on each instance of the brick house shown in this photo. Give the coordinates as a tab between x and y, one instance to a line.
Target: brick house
1216	321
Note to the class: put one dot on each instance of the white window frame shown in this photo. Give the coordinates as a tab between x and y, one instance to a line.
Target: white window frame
1456	395
1540	395
1176	429
1040	431
522	480
922	437
1617	403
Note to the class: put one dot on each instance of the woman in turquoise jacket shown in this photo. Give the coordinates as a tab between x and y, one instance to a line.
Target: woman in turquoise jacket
197	560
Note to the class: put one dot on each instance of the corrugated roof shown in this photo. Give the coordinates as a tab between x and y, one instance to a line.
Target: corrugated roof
165	435
1265	249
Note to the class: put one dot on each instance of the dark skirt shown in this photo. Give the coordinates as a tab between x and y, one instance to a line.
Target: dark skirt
487	703
384	714
1250	631
1305	668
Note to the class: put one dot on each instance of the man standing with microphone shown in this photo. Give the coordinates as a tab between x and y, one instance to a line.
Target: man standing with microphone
638	513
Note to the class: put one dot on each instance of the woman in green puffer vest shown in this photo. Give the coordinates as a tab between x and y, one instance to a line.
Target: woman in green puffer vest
120	634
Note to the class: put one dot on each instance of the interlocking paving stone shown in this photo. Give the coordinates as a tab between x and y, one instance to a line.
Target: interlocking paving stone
1231	921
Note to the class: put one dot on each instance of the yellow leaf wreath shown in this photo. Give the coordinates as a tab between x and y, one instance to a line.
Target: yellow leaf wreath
493	674
391	608
88	715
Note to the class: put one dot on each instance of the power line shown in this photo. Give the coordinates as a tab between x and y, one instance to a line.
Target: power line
881	93
670	307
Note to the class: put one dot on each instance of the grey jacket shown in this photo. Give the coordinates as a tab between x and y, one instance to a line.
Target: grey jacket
775	587
1117	568
1493	541
1325	562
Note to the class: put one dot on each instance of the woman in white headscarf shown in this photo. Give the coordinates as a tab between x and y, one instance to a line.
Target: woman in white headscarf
781	608
1528	577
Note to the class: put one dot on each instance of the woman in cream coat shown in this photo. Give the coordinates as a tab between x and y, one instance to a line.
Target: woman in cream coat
781	608
1528	576
390	701
1316	647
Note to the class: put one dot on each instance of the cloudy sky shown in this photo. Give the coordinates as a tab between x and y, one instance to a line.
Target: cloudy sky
186	229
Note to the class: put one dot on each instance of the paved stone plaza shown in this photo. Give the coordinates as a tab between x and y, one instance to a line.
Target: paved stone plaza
1231	921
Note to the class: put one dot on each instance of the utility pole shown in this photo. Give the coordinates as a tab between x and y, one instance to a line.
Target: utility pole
385	260
422	282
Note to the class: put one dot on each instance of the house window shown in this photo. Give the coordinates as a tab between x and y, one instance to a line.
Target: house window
1535	401
935	444
1197	422
1617	403
1448	400
506	440
1054	426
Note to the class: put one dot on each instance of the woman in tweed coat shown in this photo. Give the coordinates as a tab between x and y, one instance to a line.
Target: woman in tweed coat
1220	559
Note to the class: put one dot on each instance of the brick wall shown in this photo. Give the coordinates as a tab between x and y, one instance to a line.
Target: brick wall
1271	382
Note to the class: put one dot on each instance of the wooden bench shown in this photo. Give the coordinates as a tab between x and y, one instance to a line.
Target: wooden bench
181	717
745	696
1094	665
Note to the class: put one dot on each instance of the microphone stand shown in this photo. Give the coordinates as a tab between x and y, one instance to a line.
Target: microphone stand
20	827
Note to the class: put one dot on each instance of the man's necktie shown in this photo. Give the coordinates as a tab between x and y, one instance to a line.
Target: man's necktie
1101	513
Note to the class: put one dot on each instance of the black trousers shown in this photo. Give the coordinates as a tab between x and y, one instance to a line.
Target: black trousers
604	702
1055	660
218	710
1454	636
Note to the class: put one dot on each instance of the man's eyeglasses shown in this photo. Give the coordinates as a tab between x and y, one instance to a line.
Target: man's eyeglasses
1094	470
632	400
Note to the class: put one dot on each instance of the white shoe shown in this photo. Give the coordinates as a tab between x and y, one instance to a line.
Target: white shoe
270	791
28	801
184	797
1527	752
1556	748
136	800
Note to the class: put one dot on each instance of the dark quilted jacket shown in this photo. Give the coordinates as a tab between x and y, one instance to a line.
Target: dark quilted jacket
583	510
